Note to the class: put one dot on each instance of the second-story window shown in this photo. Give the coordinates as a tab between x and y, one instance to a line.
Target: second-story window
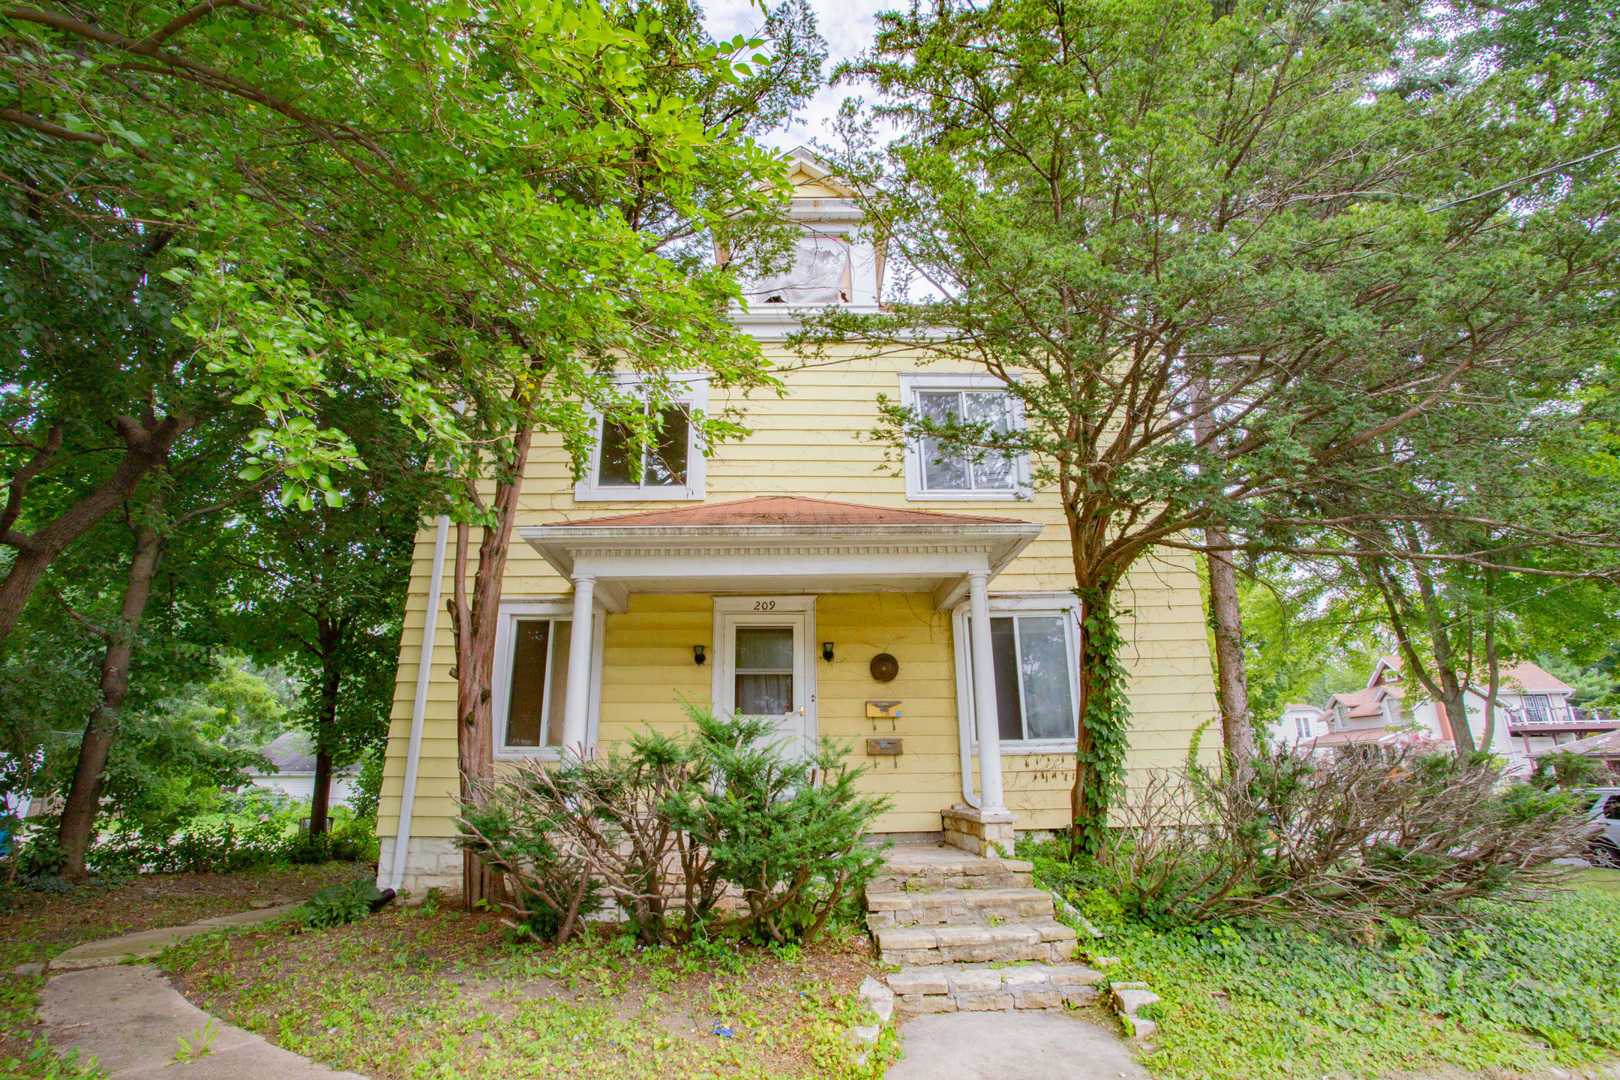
937	469
669	465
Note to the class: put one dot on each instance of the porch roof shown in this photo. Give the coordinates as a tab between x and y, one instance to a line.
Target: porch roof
781	544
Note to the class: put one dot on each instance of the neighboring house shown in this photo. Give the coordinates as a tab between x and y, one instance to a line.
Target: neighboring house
293	755
1604	747
1532	714
919	618
1298	723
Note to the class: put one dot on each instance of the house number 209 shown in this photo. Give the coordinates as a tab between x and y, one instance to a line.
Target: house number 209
764	605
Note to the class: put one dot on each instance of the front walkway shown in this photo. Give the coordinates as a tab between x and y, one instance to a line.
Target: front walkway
1011	1046
131	1020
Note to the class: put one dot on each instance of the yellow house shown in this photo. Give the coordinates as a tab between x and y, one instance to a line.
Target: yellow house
921	614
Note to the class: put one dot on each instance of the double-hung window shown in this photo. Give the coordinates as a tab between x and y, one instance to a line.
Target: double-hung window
532	646
667	466
936	469
1033	656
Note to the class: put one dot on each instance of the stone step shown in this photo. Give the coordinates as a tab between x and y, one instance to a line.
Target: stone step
959	906
952	987
963	872
922	946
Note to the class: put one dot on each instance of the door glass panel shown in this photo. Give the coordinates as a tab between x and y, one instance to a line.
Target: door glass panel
764	670
527	700
1043	655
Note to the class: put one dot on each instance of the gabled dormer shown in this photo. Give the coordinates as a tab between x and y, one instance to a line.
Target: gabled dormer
834	264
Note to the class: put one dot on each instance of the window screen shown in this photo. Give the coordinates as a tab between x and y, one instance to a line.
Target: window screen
1034	682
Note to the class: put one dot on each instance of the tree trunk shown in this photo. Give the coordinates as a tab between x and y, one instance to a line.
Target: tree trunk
1237	722
146	447
330	638
321	797
1104	715
475	621
84	797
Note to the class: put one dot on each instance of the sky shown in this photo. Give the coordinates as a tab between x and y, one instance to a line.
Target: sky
846	25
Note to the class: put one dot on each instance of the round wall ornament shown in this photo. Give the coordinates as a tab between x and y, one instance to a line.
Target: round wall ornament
885	667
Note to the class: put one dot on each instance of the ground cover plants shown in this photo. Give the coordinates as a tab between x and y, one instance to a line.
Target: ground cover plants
418	991
1521	988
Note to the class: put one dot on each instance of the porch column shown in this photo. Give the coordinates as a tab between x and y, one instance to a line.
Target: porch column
984	693
576	707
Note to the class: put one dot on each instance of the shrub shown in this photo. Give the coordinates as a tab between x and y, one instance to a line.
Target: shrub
1370	834
665	827
1568	770
342	904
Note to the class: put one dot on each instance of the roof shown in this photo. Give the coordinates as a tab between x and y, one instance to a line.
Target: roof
1367	702
1604	745
783	510
1532	679
293	754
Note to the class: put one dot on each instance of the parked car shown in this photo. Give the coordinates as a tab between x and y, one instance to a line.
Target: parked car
1606	810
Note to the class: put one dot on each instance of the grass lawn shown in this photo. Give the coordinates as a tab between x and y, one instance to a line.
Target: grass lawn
427	993
35	926
1530	988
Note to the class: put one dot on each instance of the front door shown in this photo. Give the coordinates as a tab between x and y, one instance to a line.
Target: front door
764	666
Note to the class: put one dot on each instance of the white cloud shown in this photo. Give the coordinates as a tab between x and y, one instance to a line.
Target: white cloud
847	25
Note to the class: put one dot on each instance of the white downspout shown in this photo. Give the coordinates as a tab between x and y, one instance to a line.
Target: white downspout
424	675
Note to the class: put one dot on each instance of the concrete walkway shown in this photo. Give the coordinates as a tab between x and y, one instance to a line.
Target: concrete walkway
148	943
1019	1045
130	1019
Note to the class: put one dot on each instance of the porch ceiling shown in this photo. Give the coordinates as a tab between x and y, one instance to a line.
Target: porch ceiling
781	545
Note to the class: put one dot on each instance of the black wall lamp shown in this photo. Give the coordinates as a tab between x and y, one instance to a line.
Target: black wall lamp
697	655
826	651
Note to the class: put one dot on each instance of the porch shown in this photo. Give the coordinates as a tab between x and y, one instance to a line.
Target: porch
833	618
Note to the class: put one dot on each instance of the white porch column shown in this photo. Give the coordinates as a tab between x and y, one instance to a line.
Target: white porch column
984	693
577	707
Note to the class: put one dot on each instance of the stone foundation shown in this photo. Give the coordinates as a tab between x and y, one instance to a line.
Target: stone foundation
431	862
979	832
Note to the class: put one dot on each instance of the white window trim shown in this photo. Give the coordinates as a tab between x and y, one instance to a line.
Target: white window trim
910	384
695	395
1014	604
557	609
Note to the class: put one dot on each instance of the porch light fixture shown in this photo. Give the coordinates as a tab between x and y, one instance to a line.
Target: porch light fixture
697	655
826	651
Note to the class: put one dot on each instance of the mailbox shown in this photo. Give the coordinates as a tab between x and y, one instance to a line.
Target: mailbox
882	710
885	747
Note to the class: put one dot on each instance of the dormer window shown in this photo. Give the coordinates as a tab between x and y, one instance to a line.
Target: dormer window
667	467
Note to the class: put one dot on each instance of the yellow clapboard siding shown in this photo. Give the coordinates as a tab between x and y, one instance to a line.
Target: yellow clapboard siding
814	442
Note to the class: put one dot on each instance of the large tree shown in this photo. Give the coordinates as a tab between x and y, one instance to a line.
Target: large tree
1195	247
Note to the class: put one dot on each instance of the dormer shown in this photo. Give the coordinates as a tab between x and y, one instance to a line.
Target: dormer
833	263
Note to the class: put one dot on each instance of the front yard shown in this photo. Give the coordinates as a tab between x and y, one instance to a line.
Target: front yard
424	992
35	926
431	992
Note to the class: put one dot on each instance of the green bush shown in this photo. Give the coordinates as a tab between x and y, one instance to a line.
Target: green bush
1367	835
341	904
666	827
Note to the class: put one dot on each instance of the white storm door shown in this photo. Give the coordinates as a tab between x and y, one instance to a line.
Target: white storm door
763	665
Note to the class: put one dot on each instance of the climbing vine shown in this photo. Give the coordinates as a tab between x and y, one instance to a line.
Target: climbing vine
1105	716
